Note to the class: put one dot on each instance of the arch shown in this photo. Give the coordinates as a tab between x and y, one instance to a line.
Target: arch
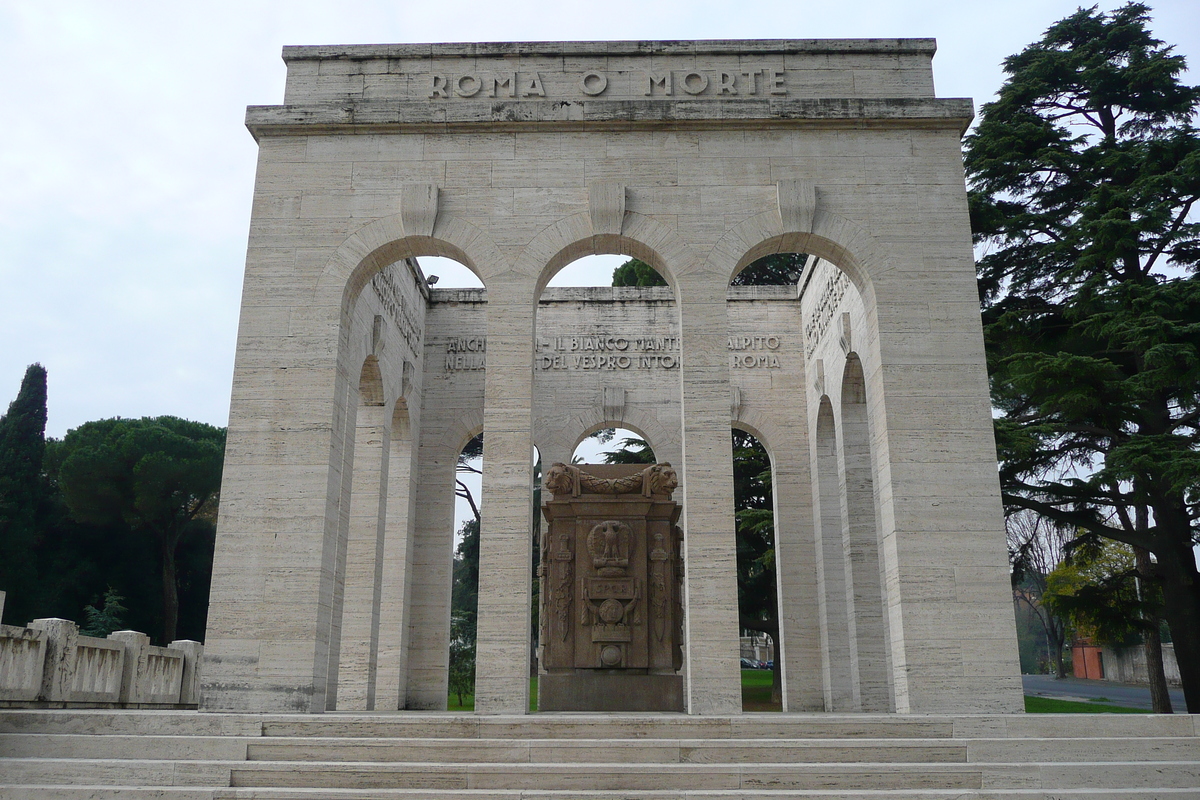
370	383
572	238
834	238
383	242
614	423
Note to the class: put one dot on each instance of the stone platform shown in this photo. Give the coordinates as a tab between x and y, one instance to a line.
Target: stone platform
56	754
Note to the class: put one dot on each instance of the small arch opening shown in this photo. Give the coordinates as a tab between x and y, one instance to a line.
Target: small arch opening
758	604
615	445
464	592
774	269
445	273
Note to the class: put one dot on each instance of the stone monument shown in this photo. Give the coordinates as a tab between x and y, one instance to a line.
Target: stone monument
611	617
356	385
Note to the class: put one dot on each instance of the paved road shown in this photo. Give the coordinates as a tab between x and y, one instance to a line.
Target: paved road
1117	694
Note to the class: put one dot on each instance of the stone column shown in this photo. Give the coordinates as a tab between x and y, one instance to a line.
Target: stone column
950	606
364	562
710	571
796	573
839	666
333	554
431	574
505	544
267	639
862	537
396	585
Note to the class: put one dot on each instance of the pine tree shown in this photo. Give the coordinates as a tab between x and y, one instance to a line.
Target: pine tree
1084	174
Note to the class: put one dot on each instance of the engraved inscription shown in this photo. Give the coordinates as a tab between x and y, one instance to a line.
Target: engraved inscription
393	302
611	351
466	353
607	351
826	307
594	83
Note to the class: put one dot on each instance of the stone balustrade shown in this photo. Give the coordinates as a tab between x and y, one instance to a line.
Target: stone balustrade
49	663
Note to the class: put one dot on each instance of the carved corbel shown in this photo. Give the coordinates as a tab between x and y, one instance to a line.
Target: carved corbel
846	340
797	206
613	399
819	376
606	207
418	208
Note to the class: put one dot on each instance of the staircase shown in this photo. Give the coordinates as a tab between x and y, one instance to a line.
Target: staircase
178	755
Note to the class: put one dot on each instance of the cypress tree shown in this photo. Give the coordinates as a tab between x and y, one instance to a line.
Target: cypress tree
22	445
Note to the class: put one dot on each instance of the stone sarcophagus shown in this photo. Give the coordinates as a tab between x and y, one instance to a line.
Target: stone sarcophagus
611	617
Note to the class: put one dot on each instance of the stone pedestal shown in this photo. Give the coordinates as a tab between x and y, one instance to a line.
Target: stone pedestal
611	617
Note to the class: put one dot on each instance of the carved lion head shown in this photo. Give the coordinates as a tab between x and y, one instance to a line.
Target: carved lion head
663	479
558	479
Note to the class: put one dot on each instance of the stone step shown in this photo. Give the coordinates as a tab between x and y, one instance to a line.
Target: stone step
723	751
133	722
576	727
58	792
54	792
582	726
738	794
724	777
125	746
599	777
113	746
553	751
115	772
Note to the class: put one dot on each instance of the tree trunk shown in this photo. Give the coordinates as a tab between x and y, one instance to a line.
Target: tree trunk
1060	664
1160	698
1181	607
170	591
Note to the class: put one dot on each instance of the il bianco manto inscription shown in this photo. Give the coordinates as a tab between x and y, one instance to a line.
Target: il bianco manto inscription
611	351
665	83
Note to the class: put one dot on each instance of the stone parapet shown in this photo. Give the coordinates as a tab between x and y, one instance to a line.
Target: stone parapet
49	663
22	654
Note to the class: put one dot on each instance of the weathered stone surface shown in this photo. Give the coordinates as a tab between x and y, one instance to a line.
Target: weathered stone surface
611	614
866	384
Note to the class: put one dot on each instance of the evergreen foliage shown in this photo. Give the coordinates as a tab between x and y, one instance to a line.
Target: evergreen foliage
22	447
777	269
1084	174
462	654
153	479
103	620
636	272
632	450
758	608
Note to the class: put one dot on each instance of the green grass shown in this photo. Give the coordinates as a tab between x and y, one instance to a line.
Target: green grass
1047	705
756	694
468	701
756	691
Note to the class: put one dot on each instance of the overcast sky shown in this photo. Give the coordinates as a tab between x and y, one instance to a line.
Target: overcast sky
126	172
